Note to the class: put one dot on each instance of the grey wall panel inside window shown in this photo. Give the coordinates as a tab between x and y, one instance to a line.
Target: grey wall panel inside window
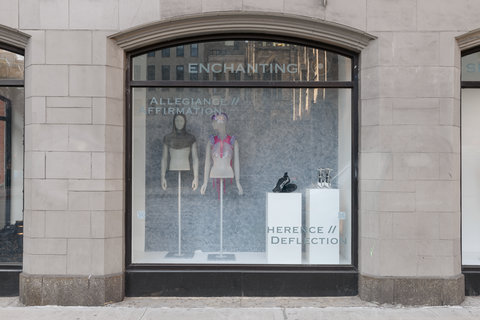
470	117
470	176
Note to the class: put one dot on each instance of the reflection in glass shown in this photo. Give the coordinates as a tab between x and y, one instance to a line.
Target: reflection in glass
151	72
194	50
180	51
252	61
165	72
180	72
11	65
471	67
294	130
166	52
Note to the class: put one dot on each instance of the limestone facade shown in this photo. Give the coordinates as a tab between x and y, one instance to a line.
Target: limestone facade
409	136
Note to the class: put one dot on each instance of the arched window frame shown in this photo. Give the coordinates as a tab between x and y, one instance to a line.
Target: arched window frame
197	280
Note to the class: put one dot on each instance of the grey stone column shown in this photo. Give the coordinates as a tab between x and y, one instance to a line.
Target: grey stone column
409	179
74	157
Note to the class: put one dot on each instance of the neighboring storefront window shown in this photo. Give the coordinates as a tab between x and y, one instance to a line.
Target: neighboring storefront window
210	147
470	159
11	156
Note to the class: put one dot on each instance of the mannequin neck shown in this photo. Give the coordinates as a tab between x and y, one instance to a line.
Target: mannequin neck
222	133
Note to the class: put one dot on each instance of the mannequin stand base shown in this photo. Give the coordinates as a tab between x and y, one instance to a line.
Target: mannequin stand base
173	255
221	256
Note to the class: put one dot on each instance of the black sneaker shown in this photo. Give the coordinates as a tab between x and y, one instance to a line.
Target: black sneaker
289	187
281	183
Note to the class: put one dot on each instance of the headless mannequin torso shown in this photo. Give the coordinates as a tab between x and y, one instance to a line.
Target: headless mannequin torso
221	149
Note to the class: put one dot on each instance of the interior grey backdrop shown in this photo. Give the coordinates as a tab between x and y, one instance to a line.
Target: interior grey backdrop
274	137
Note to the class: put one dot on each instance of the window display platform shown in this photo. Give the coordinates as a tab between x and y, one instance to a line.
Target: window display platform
284	212
322	224
200	257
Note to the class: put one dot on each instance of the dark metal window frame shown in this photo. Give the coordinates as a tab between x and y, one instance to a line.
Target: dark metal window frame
234	279
470	272
9	272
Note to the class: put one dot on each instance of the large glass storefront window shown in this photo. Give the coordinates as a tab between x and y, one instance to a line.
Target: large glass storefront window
11	156
470	159
244	159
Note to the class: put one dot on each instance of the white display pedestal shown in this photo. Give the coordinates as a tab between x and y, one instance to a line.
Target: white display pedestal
284	228
322	226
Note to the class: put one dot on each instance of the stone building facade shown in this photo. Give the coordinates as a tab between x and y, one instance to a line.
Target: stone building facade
408	233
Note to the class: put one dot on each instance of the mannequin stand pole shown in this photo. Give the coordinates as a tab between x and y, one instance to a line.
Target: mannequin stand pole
179	253
221	217
179	213
221	255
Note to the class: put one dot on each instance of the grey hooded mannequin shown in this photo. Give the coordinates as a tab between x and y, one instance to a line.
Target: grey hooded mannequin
179	145
221	148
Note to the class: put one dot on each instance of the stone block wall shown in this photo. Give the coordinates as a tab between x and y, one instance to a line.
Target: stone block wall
409	173
410	152
74	151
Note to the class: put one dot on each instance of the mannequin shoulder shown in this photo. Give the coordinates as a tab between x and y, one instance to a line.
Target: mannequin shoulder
212	139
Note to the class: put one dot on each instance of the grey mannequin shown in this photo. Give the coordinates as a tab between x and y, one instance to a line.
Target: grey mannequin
179	145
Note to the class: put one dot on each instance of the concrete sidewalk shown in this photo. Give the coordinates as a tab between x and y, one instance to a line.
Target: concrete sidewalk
246	308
